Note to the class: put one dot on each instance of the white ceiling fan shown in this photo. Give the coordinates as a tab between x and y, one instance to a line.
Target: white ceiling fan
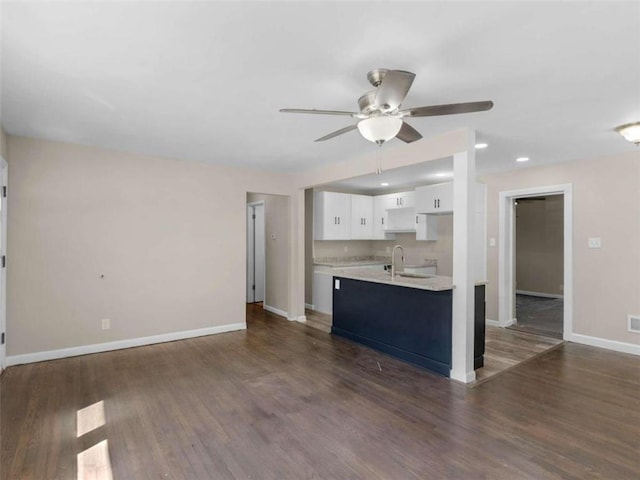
380	118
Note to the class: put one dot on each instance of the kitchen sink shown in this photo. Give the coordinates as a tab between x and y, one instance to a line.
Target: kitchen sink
411	275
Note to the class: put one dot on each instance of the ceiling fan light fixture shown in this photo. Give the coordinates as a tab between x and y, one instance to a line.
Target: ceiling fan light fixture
631	132
379	129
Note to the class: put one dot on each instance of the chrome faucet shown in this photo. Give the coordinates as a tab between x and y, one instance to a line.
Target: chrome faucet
393	260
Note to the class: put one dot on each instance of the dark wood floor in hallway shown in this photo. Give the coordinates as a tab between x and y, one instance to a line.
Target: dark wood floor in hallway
282	400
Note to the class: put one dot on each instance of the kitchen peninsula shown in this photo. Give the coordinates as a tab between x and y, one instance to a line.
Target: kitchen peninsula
407	317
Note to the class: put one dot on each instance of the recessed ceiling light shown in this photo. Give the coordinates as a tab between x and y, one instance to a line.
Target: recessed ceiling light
480	146
384	184
522	159
443	174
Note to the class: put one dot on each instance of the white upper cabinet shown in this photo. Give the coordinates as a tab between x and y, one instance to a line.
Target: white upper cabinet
381	205
402	199
331	216
361	217
435	199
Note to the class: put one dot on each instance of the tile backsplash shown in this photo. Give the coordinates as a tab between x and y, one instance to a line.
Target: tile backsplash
415	251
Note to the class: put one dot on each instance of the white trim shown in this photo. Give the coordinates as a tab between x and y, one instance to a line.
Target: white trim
120	344
277	311
538	294
492	323
506	274
604	343
4	181
302	319
309	306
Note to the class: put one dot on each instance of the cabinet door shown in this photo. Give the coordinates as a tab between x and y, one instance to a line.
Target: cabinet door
381	205
361	217
426	227
332	216
401	199
435	198
445	198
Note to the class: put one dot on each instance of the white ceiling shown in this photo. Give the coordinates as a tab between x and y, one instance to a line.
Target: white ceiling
204	81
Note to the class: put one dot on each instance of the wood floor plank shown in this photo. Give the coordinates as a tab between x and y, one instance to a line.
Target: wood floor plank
282	400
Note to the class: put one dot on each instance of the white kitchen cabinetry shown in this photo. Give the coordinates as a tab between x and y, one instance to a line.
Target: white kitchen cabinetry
382	204
361	217
426	227
331	216
435	199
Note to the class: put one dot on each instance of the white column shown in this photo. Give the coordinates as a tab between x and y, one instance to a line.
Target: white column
464	164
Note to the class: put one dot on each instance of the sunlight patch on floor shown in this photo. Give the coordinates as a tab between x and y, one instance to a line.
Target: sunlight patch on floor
94	463
90	418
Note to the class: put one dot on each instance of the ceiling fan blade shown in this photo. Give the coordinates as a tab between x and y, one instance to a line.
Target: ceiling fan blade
393	89
449	109
337	132
318	112
408	134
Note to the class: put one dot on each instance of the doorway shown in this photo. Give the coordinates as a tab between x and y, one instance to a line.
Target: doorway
256	265
507	294
539	264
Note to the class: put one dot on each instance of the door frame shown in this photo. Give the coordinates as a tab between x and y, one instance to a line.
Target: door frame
506	252
251	205
4	167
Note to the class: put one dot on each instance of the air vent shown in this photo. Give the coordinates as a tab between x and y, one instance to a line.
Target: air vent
634	323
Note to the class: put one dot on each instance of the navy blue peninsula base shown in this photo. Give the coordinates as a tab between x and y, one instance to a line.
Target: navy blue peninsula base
411	324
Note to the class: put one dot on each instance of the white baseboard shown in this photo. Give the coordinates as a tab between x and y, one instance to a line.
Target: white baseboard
538	294
604	343
120	344
302	319
275	310
309	306
496	323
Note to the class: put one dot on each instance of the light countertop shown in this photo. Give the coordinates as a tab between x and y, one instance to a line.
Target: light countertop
436	283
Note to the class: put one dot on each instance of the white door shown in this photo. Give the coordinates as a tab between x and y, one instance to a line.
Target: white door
256	255
3	252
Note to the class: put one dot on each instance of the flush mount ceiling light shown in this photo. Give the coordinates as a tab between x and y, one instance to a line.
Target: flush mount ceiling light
522	159
379	129
480	146
631	132
384	184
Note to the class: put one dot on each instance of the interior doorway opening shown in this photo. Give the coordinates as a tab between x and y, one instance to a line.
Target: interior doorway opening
4	180
507	310
539	264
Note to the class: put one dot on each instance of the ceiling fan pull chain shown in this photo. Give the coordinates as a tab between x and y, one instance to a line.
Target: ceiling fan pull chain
379	166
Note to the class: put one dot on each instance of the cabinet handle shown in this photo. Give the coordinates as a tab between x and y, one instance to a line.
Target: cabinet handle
338	220
438	203
401	201
416	218
382	220
365	221
434	203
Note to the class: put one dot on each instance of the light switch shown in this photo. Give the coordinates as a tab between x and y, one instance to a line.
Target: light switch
273	236
594	242
492	242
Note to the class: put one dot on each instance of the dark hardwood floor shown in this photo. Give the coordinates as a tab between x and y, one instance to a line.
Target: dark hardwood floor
283	400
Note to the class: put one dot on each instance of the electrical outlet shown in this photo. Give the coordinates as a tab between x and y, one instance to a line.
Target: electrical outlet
106	324
388	249
594	242
492	242
346	249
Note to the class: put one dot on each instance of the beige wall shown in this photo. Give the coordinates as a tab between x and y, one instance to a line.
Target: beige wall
540	244
276	220
606	204
168	235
